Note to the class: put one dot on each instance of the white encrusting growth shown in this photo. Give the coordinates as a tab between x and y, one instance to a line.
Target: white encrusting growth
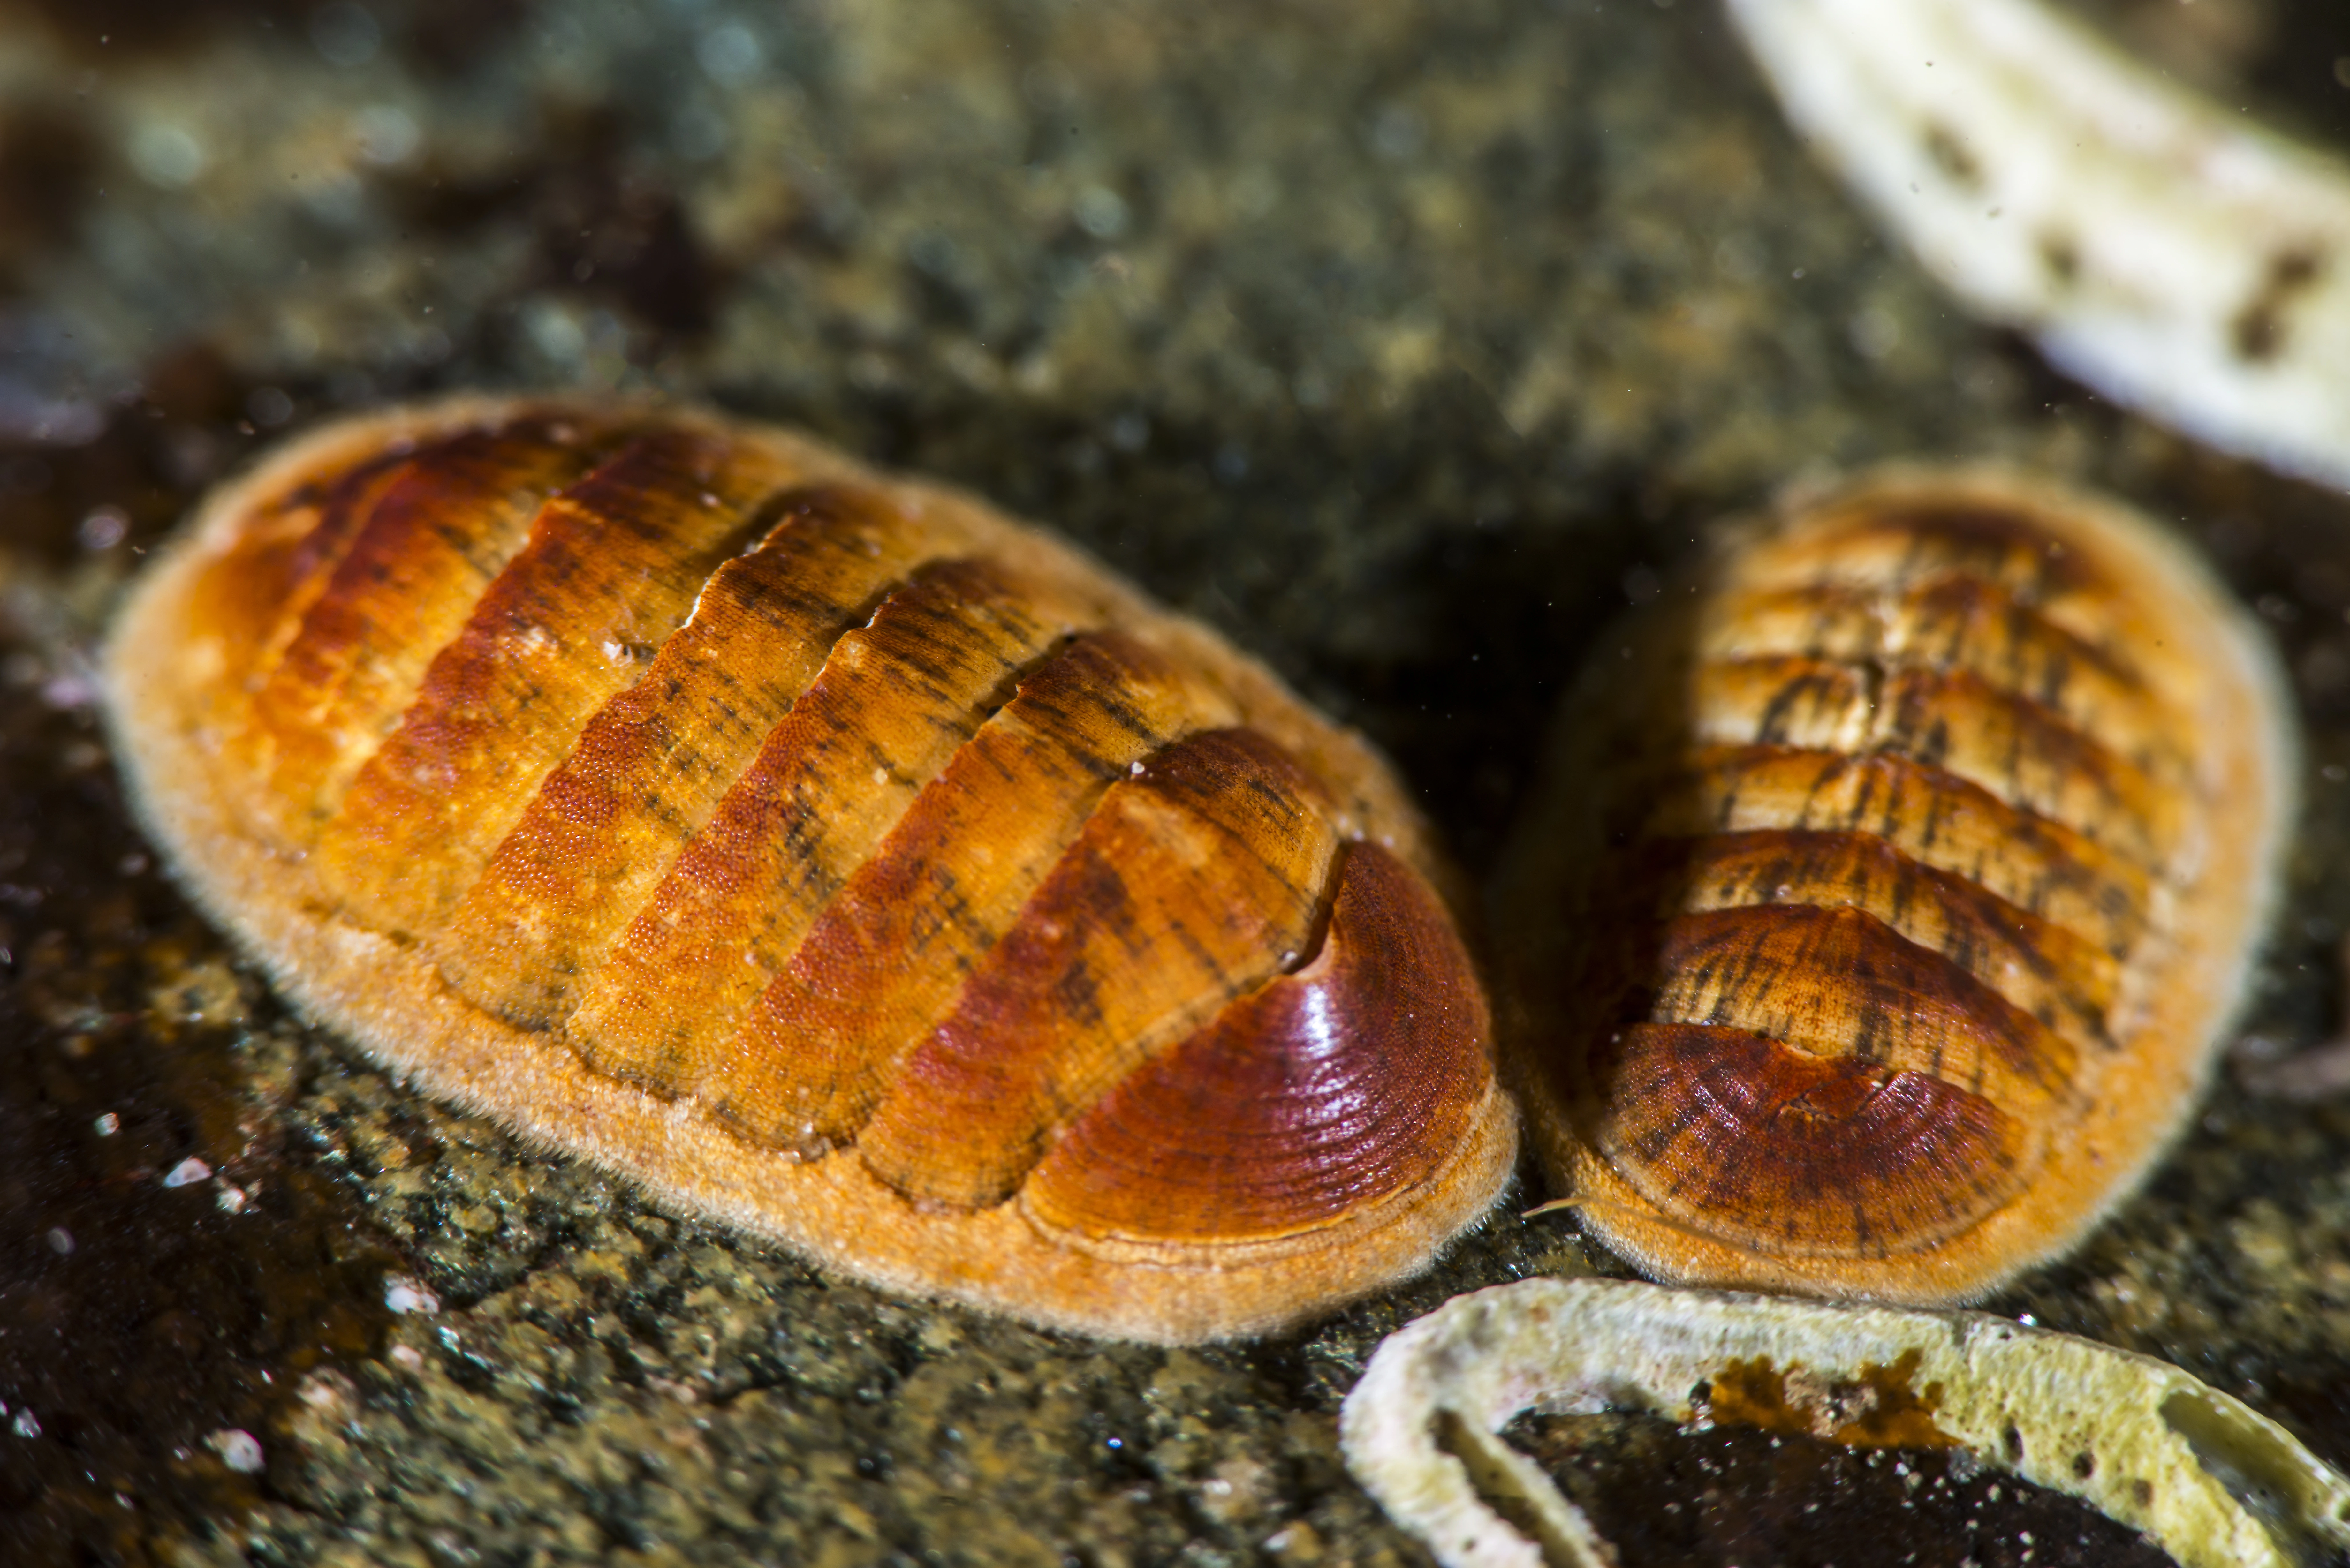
2170	252
2211	1482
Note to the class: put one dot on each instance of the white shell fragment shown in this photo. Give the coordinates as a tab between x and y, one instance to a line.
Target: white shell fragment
2210	1480
239	1449
403	1294
187	1173
2166	251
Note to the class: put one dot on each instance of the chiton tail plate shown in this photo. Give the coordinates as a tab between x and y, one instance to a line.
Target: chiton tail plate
1895	879
835	857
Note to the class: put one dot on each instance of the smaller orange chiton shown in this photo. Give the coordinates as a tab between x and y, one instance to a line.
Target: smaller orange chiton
832	855
1897	877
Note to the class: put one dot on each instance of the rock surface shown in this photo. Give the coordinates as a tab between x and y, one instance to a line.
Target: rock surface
1406	342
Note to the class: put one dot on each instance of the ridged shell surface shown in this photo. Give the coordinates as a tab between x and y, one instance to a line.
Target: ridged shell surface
1896	877
835	857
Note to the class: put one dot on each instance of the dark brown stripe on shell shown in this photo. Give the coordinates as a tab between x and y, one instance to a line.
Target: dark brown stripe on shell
1931	816
650	767
1192	883
256	591
1998	545
2025	754
891	950
2038	965
1945	621
433	542
1841	982
896	699
612	568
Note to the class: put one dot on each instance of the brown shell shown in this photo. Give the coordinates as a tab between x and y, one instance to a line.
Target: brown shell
827	852
1898	875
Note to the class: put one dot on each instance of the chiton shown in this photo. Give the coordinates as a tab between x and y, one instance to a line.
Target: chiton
833	855
1898	875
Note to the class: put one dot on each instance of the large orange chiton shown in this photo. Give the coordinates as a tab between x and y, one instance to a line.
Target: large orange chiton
833	855
1899	873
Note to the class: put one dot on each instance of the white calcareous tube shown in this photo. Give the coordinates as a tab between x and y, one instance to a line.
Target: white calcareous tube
2214	1483
2168	251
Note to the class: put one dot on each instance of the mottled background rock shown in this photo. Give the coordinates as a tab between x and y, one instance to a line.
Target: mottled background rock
1405	341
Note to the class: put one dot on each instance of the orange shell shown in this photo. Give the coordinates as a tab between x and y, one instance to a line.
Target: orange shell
833	855
1898	875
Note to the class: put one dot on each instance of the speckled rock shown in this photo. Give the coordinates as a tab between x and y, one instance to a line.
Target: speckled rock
1404	341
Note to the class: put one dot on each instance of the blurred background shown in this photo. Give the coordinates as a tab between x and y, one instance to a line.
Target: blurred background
1406	342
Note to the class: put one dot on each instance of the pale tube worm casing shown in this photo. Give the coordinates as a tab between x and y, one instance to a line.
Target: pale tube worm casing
2214	1483
2170	252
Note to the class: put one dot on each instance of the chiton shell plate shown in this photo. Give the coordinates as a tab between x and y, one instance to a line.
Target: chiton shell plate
834	855
1896	877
